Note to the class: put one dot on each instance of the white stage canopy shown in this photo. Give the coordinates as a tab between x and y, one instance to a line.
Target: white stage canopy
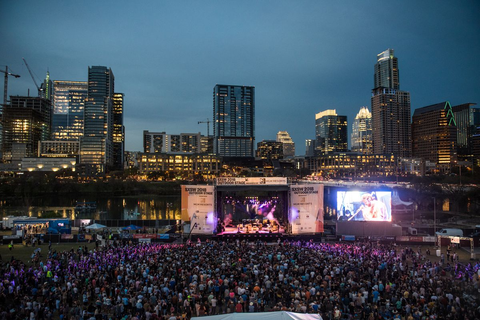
279	315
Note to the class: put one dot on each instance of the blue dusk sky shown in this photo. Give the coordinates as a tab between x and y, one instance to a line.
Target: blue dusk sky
303	57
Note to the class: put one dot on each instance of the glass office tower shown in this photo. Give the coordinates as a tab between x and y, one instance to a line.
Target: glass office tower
362	132
467	118
118	131
434	134
330	132
96	146
68	98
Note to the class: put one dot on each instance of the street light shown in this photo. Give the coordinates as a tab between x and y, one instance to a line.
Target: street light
434	216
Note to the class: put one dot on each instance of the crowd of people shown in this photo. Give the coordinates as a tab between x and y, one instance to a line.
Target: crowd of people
360	280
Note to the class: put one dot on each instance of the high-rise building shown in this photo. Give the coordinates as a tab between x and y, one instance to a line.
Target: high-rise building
161	142
26	122
476	147
68	99
390	109
233	120
47	88
96	145
310	147
330	132
386	71
288	144
118	131
206	144
58	149
361	139
468	119
434	134
270	150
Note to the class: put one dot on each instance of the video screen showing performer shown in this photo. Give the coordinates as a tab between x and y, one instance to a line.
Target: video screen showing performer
364	206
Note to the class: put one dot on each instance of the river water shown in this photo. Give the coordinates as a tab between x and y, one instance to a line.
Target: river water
150	207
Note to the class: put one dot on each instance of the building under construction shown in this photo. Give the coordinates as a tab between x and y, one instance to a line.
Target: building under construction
26	121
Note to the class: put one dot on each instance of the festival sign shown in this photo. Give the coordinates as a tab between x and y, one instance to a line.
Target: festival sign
232	181
306	209
198	208
144	236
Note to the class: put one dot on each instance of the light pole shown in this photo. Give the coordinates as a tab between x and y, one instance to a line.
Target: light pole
460	174
434	216
413	212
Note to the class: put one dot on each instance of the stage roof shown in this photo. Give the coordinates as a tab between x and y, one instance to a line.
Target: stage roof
262	187
279	315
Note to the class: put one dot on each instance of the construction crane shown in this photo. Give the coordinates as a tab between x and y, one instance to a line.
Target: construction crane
34	81
5	85
208	126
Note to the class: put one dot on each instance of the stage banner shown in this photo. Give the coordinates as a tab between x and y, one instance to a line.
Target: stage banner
233	181
198	208
145	236
306	209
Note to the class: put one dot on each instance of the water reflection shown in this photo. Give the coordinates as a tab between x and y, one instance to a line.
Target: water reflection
127	208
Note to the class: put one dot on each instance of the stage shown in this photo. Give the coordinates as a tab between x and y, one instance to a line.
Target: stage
253	207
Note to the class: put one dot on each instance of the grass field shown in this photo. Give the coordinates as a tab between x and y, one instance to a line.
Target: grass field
23	253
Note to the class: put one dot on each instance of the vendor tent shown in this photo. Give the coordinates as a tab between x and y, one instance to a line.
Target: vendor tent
279	315
95	226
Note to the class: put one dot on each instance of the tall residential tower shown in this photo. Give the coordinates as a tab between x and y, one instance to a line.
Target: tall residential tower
26	122
390	109
233	120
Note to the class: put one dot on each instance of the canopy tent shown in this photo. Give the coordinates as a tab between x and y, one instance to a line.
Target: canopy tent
132	227
279	315
95	226
396	201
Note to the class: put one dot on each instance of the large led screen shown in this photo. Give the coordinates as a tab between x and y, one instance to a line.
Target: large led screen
364	206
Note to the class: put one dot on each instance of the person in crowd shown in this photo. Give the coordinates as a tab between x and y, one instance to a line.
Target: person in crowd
360	280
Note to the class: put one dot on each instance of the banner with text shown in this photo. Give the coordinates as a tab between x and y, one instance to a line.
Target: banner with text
198	208
306	209
227	181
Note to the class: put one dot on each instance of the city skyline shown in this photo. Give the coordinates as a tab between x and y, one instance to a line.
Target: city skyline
302	59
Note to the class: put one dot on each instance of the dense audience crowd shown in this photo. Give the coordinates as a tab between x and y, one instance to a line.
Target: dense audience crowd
180	281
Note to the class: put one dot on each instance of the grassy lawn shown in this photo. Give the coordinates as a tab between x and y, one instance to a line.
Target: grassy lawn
23	253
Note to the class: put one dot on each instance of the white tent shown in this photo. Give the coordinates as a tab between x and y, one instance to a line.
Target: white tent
95	226
279	315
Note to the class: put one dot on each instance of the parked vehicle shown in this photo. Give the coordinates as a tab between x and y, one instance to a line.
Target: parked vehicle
450	232
7	222
412	231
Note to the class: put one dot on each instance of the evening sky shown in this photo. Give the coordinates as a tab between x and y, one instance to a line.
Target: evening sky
303	57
